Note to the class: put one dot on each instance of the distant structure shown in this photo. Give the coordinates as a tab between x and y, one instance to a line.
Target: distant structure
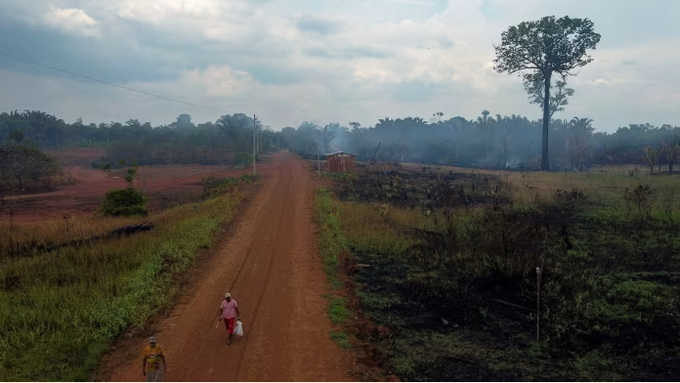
340	162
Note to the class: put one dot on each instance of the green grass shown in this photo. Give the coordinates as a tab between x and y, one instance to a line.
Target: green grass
331	240
331	244
341	338
63	309
337	310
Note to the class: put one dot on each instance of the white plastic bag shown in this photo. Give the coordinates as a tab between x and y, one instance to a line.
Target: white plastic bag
238	330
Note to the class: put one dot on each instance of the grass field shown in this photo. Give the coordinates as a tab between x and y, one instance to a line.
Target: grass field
452	255
60	310
332	245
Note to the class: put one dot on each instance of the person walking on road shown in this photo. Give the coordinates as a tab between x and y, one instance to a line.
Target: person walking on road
228	311
154	363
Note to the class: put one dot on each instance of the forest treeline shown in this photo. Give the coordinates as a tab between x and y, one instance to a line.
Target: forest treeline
493	141
227	140
490	141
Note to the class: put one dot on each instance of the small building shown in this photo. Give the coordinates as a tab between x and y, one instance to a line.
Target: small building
340	162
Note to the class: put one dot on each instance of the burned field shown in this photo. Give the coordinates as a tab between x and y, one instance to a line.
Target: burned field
429	188
447	267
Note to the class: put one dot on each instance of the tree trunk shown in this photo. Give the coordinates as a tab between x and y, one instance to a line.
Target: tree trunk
545	162
505	156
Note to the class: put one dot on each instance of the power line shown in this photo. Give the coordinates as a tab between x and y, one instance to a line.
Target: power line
109	83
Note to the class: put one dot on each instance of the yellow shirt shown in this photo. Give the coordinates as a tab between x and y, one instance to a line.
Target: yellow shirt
153	357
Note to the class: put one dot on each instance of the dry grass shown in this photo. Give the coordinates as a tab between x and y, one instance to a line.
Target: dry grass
57	230
378	227
63	308
604	183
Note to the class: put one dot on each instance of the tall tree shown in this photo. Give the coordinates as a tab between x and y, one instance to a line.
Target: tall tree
547	46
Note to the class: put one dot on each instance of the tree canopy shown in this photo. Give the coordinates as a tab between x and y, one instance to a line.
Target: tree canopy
546	46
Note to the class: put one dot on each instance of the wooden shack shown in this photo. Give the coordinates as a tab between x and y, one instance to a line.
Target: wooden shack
340	162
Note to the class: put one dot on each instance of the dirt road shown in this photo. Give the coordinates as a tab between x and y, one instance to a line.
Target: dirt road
272	270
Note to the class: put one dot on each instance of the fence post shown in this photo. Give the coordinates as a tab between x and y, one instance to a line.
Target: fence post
538	303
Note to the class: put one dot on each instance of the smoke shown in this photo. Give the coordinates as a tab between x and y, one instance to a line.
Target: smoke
340	143
496	141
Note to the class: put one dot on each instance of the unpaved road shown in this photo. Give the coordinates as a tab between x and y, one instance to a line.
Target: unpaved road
271	267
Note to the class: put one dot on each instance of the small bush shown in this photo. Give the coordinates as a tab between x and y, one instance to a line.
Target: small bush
214	186
124	202
242	160
642	197
249	178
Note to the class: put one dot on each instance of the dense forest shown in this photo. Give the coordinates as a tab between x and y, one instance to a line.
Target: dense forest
487	141
227	140
490	141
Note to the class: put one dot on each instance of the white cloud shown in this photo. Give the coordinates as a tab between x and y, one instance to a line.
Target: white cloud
159	11
360	60
72	20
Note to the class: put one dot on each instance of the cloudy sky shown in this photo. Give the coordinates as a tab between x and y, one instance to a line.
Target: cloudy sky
325	61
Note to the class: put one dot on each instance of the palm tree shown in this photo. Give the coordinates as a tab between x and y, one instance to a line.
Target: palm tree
581	132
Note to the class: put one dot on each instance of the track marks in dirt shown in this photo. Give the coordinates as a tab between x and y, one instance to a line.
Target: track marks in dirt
271	267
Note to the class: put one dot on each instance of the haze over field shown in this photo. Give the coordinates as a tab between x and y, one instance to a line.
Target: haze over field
322	62
480	226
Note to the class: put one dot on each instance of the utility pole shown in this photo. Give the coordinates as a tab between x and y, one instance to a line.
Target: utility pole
254	130
318	162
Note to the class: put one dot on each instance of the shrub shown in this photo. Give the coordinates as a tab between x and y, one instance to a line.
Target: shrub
249	178
124	202
214	186
642	197
23	164
241	160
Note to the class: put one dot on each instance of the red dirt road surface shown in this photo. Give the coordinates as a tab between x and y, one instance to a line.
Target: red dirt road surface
271	267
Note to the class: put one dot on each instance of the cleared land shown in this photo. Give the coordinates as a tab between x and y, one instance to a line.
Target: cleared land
167	185
442	262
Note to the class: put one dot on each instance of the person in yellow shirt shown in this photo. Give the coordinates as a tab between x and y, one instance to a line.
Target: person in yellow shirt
153	364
